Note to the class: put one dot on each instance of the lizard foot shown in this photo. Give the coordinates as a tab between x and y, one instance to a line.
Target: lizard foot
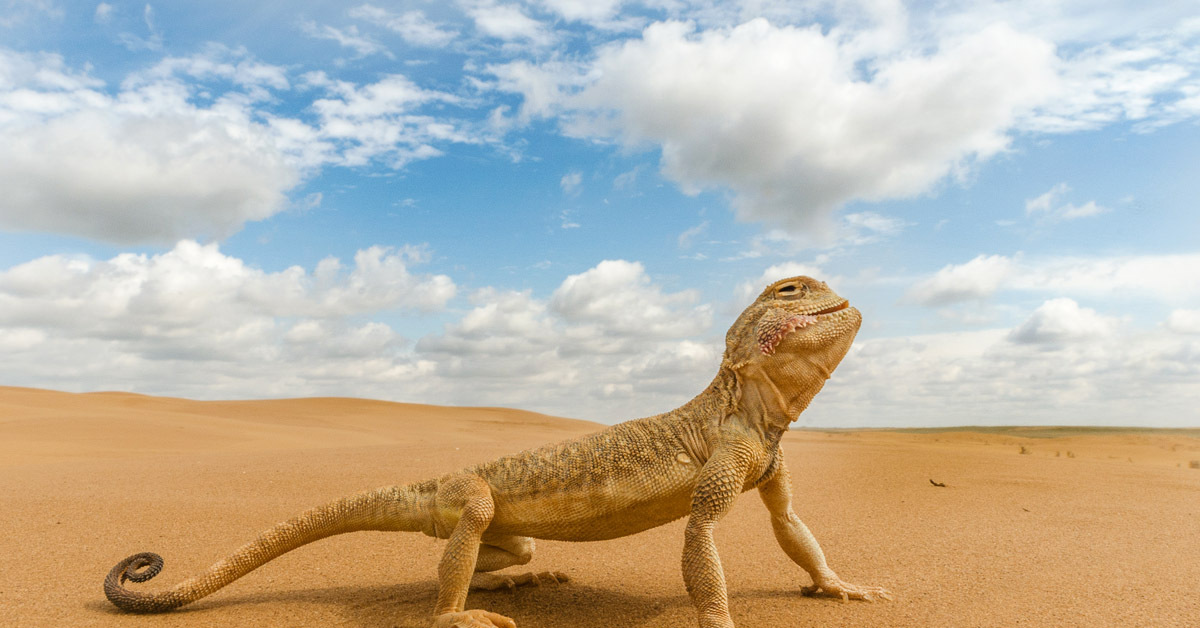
494	582
473	619
836	587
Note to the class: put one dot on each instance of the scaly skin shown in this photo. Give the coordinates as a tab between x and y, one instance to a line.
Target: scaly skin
693	461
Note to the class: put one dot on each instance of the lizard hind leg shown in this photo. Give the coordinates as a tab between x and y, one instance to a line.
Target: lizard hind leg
465	500
498	552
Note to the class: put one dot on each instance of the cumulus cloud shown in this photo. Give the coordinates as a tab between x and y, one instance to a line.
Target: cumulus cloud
144	166
607	344
975	280
1165	278
984	378
195	317
195	321
1062	320
780	115
619	296
162	159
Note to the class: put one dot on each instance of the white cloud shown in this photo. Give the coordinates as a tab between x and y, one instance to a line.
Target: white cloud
1168	279
413	26
977	279
143	166
1049	207
781	116
619	296
348	37
1184	321
165	158
1061	320
381	120
508	22
194	320
983	378
608	344
570	182
583	9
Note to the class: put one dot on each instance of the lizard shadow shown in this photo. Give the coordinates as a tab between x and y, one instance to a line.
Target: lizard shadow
409	605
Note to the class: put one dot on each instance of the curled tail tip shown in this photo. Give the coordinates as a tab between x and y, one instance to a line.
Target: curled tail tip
138	568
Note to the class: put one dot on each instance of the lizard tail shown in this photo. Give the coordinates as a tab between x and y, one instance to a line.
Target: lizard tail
390	508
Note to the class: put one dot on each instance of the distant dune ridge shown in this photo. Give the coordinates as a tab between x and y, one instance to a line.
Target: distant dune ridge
1034	526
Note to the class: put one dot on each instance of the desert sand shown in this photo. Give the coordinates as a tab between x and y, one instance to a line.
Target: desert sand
1087	528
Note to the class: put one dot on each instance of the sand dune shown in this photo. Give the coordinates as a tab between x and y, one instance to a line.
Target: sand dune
1085	529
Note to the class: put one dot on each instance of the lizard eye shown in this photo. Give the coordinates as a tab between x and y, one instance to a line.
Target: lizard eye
791	291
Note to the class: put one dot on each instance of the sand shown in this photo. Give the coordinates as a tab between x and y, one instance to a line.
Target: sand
1086	529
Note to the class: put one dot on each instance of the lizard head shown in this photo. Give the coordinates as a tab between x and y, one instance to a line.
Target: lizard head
790	339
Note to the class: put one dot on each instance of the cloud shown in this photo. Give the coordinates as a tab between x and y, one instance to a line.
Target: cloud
593	11
196	320
1049	207
691	233
153	39
570	182
1138	378
1061	320
144	166
188	147
103	13
382	120
1184	321
592	349
977	279
619	296
1165	278
16	12
780	116
413	26
508	22
348	37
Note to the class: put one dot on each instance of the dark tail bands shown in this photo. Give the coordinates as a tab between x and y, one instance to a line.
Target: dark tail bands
138	568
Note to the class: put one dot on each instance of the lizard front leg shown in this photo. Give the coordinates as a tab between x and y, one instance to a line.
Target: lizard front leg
801	546
721	479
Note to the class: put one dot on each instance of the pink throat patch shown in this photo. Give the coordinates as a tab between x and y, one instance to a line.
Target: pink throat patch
772	331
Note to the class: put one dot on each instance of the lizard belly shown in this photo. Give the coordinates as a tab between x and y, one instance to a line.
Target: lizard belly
592	515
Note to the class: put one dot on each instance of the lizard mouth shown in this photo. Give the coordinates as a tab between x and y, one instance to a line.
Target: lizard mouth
771	334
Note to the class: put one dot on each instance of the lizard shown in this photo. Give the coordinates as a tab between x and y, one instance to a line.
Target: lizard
690	462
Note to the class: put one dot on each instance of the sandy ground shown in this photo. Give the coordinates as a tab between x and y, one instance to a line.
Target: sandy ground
1086	529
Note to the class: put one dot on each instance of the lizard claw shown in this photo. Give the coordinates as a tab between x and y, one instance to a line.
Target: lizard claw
495	582
836	587
474	618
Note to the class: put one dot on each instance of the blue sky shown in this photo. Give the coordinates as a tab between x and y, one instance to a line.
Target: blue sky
561	205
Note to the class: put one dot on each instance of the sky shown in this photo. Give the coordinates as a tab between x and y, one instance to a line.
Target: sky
561	205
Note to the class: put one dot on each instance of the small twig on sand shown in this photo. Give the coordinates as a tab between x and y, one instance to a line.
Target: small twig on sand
937	483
